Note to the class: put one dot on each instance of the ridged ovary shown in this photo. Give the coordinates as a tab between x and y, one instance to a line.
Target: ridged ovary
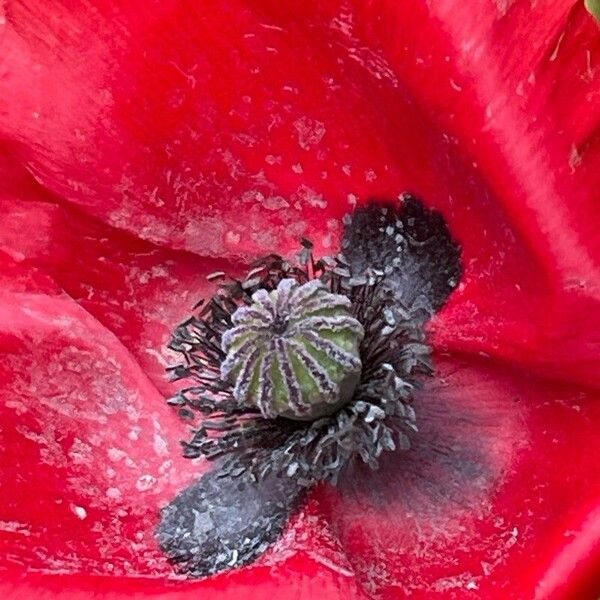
294	352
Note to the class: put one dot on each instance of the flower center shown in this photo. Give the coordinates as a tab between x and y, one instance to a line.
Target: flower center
293	352
280	324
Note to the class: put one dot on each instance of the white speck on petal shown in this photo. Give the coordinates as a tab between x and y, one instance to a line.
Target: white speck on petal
310	132
79	511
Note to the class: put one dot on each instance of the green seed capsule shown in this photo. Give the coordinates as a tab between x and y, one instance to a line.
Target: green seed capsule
294	352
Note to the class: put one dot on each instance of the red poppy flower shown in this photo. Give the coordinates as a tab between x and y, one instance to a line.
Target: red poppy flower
148	144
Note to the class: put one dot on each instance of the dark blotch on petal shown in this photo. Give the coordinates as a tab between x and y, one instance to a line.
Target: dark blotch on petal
466	437
413	245
226	520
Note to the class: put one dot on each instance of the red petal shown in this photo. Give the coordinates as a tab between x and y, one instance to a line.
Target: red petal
139	291
301	577
90	448
159	121
173	141
499	496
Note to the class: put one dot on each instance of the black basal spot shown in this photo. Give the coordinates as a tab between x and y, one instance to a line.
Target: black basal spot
414	247
222	522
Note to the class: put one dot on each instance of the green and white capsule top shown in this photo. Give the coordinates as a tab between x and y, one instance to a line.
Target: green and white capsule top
294	352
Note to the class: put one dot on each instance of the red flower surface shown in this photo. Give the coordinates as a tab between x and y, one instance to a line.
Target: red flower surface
146	144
